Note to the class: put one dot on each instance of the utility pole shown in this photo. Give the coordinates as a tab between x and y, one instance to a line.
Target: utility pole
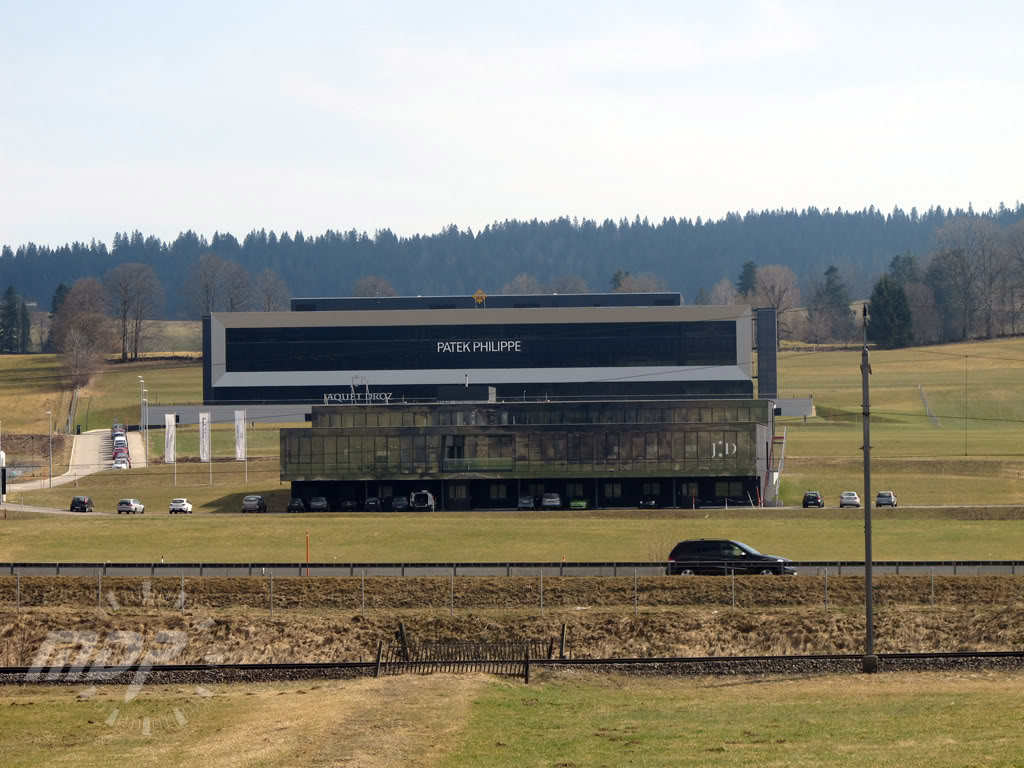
870	661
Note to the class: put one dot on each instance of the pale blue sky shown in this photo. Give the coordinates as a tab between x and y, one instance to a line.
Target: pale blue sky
303	115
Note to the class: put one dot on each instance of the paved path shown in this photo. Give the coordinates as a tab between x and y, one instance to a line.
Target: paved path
45	510
90	453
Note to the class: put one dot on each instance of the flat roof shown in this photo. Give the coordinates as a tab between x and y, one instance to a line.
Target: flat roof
515	301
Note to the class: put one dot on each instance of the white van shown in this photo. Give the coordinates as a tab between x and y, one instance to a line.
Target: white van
422	500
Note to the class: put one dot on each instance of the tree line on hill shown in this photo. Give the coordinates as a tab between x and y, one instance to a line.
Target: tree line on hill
937	276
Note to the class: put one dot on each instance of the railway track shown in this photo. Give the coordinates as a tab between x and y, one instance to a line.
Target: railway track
175	674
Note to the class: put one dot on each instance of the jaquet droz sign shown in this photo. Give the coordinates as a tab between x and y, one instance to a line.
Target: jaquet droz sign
357	397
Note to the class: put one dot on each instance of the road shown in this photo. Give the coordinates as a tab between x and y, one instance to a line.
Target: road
90	453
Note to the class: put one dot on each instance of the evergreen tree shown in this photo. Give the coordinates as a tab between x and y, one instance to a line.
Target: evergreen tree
889	321
10	321
24	328
904	269
59	295
747	282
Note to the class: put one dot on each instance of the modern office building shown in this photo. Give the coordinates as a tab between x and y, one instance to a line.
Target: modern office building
608	397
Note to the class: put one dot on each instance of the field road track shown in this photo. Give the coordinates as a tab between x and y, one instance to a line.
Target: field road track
90	453
46	510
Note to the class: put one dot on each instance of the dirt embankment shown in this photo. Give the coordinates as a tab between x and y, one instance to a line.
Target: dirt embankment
322	619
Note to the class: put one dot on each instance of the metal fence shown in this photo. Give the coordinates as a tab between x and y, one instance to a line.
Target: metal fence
563	568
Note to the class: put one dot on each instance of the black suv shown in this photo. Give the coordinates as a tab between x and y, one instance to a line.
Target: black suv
722	556
319	504
296	505
648	502
372	504
81	504
813	499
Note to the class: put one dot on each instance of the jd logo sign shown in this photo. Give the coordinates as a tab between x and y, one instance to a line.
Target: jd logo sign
722	448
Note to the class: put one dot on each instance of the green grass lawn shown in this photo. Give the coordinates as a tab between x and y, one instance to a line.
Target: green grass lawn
889	720
491	536
31	385
114	395
910	720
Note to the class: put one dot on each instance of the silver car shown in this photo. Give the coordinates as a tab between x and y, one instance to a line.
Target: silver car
130	507
550	501
849	499
886	499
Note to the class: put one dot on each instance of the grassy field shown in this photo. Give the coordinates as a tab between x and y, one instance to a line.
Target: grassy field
974	452
114	395
31	385
489	536
444	721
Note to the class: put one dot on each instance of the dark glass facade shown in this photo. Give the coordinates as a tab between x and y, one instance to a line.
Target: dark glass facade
437	347
705	451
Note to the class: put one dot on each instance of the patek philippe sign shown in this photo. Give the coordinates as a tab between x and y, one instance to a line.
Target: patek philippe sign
479	346
343	398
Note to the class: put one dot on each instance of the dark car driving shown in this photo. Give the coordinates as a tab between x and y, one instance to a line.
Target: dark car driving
722	556
296	505
81	504
813	499
319	504
254	503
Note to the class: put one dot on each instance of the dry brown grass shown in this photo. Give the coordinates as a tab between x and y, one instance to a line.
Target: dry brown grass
322	620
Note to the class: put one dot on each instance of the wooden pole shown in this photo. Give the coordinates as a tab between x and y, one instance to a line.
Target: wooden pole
307	552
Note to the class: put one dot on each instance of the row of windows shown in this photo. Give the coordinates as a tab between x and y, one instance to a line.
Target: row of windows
344	417
428	347
432	453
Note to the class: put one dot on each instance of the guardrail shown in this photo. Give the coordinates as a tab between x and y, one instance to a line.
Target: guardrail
519	568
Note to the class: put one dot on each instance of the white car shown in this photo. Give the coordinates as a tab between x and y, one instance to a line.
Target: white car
849	499
130	507
121	464
180	507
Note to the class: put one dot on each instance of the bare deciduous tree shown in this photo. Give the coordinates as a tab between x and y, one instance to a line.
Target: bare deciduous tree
205	284
777	288
964	243
724	292
237	289
371	285
133	291
271	291
925	320
81	332
521	284
569	285
645	282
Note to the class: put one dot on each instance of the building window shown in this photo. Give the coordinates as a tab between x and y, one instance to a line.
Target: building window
574	490
734	490
613	490
652	489
457	491
498	492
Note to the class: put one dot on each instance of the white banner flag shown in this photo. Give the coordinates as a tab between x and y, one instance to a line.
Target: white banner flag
204	436
239	435
170	429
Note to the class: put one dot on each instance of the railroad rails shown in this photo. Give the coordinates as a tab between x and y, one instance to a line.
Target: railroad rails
688	665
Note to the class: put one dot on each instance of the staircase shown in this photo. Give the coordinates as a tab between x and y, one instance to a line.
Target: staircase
776	463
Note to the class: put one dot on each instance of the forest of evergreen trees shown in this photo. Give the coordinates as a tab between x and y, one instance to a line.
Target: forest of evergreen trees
688	255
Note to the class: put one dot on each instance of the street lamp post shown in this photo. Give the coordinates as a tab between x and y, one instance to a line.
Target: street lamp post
50	414
145	432
142	394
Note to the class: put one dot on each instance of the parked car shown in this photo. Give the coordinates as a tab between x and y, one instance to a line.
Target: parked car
551	501
81	504
422	500
296	505
399	503
579	503
121	464
886	499
349	505
254	504
813	499
648	502
722	556
526	502
849	499
372	504
319	504
130	507
180	507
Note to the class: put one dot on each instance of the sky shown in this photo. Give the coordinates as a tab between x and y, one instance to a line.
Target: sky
411	116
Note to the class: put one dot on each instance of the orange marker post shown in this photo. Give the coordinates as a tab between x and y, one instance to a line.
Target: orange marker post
307	553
